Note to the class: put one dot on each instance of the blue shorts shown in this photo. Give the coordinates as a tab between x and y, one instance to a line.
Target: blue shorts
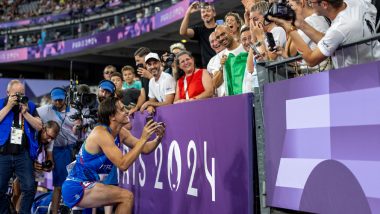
72	191
62	158
111	178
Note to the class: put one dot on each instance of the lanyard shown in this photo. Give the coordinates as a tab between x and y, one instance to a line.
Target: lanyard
186	86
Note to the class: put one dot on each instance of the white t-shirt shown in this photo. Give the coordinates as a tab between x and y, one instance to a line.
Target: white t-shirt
351	25
279	36
164	86
319	23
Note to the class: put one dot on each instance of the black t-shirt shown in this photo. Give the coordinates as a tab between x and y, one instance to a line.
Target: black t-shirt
202	34
145	85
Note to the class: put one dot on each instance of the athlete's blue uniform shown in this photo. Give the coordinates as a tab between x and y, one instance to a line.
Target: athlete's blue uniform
85	174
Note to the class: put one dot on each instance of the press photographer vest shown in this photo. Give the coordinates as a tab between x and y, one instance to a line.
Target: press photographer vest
6	124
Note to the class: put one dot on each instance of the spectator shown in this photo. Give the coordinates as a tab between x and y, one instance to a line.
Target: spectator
224	36
214	64
161	87
61	113
200	33
18	145
192	83
100	145
108	71
259	27
176	48
145	77
129	78
341	32
127	96
234	22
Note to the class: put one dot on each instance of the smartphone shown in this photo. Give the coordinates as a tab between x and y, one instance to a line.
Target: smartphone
219	22
255	50
140	66
148	118
270	41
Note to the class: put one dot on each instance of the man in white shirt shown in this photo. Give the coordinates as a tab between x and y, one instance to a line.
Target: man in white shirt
214	64
161	87
352	20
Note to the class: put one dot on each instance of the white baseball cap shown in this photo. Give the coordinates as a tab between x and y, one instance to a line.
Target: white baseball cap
152	56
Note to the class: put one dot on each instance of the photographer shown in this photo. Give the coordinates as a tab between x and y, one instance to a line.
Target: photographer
351	20
44	162
167	59
60	112
18	146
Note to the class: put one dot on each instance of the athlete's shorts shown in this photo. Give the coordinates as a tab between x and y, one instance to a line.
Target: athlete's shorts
72	191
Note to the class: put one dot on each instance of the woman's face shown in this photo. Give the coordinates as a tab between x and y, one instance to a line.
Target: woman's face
232	23
186	63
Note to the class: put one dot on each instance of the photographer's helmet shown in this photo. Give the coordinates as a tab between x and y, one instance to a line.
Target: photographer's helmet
107	85
58	94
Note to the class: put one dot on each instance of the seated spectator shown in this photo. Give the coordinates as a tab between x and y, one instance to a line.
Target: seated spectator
192	83
352	20
129	78
161	86
234	22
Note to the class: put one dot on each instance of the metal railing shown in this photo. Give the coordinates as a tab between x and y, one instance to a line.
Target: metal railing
269	72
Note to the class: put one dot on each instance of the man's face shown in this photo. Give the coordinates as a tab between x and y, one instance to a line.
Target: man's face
117	81
128	76
224	37
121	115
16	88
154	67
245	39
214	43
208	14
140	60
59	104
48	135
107	73
103	94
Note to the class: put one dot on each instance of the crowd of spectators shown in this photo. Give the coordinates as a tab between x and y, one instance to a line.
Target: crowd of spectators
11	10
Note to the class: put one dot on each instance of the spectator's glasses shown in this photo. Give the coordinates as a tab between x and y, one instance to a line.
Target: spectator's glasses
108	72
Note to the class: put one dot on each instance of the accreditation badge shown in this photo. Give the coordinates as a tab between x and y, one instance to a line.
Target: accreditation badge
16	136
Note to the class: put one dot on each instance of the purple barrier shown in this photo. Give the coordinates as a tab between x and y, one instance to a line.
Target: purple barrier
204	164
134	30
322	146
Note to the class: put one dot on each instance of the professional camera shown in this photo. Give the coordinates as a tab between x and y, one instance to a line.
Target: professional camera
21	98
47	164
280	10
84	100
168	59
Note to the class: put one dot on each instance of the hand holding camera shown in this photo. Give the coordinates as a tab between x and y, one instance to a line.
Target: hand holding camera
46	166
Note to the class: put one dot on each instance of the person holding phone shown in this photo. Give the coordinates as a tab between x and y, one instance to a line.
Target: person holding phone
200	33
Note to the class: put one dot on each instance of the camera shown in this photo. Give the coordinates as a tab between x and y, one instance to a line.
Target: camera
21	98
169	59
280	10
47	164
139	66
